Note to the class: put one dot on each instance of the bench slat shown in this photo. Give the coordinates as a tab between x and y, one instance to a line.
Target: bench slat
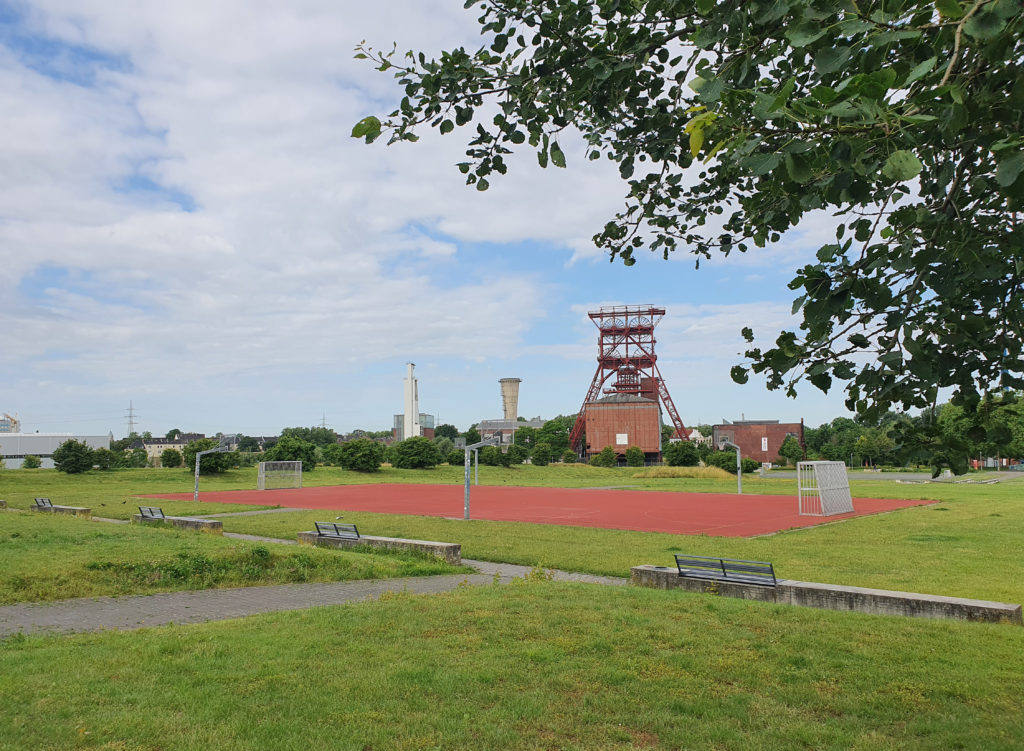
333	529
727	569
151	512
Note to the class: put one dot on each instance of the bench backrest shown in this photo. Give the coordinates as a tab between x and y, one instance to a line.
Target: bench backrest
151	512
333	529
43	503
726	568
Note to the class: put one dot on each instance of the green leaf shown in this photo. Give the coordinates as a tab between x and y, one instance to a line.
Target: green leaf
1009	169
738	374
447	126
696	141
824	94
921	69
902	165
482	184
798	168
542	158
949	8
368	128
984	25
831	59
804	33
797	304
761	164
557	156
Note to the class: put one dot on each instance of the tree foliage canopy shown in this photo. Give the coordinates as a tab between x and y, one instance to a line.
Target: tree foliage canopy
417	452
73	457
730	123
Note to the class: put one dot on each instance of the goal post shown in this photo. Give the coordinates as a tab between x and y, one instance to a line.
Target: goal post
279	475
823	489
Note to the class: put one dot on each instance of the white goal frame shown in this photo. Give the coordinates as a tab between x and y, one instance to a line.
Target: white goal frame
279	475
823	489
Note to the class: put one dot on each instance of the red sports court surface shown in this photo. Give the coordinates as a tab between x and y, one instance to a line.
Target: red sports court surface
647	511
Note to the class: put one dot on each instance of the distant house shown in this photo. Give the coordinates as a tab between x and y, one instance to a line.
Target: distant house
757	439
156	446
505	429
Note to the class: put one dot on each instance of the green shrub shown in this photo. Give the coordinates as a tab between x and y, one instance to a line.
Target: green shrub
569	457
361	455
210	463
171	458
517	454
607	458
417	452
289	448
31	462
750	465
456	457
73	457
492	456
634	457
723	459
681	454
542	454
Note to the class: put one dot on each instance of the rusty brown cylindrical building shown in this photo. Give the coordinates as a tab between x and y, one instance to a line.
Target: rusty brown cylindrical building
621	421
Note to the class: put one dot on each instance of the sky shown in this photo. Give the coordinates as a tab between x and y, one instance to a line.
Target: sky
188	229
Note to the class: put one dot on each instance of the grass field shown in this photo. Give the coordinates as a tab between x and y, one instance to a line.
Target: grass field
533	665
48	557
968	545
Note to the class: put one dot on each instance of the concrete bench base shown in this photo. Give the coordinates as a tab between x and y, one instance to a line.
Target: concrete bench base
212	526
836	597
85	513
450	551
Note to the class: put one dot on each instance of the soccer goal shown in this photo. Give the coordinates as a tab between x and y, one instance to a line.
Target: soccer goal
277	475
823	489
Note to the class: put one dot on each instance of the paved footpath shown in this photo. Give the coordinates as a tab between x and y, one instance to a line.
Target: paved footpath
142	611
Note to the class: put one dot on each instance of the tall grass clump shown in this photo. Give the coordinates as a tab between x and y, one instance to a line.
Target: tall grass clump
692	473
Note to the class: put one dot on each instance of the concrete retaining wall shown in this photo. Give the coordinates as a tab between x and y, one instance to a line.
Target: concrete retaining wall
85	513
450	551
212	526
836	597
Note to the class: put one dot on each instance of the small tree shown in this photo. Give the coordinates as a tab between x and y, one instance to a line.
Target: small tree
31	462
211	463
362	455
417	452
332	454
170	458
542	454
456	457
790	450
569	457
105	458
681	454
136	458
446	431
444	445
491	456
291	448
634	457
472	435
724	460
749	465
517	454
73	457
607	458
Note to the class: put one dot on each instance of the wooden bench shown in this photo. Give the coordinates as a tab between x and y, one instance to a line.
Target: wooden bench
761	573
331	529
156	514
331	535
45	504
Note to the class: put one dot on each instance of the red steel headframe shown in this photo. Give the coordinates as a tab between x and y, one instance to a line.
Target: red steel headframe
626	350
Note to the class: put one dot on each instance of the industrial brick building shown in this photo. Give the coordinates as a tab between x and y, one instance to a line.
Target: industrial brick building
758	439
621	421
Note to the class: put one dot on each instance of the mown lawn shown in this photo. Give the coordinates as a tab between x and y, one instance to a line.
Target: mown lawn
968	546
49	557
523	666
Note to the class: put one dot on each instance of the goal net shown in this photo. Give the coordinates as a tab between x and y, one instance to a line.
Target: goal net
823	489
277	475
